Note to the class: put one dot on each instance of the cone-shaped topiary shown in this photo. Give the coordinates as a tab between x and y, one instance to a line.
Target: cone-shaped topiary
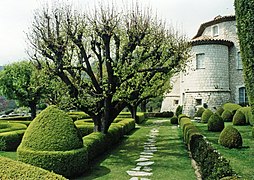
53	142
227	116
230	137
206	115
219	110
215	123
239	118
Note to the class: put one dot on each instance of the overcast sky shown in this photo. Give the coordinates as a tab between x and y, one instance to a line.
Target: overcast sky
185	15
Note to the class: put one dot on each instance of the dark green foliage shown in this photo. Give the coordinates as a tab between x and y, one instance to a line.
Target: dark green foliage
7	127
227	116
219	110
199	112
179	110
11	140
10	169
53	137
168	114
206	115
239	118
212	164
189	131
230	137
248	115
231	107
215	123
174	120
253	132
244	10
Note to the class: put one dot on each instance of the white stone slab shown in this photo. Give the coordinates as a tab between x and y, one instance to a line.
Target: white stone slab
142	159
146	163
139	173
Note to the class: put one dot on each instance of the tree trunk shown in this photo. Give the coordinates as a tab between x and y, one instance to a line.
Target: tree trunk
143	106
97	123
32	106
133	110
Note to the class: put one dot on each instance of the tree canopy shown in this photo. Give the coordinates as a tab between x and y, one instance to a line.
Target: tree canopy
22	82
106	58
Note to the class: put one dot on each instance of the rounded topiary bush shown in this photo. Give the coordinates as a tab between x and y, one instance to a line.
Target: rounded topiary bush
215	123
199	112
219	110
227	116
174	120
179	110
230	137
206	115
239	118
53	142
231	107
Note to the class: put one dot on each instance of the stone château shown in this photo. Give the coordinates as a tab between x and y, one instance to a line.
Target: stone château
213	75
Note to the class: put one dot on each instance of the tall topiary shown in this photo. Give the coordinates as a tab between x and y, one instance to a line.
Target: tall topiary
232	107
53	142
239	118
206	115
219	110
199	112
227	116
215	123
179	110
230	137
244	10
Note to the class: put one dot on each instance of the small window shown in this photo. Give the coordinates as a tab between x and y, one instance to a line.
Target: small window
243	98
239	61
200	61
198	102
215	31
176	102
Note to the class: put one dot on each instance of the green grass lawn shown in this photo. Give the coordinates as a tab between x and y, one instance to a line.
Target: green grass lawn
10	154
171	161
241	160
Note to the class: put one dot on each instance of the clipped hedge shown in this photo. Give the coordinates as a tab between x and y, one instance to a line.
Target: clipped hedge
239	118
215	123
10	169
168	114
78	115
85	129
174	120
231	107
211	163
248	115
206	115
140	116
16	118
180	116
11	140
227	116
230	137
219	110
53	142
183	121
199	112
7	127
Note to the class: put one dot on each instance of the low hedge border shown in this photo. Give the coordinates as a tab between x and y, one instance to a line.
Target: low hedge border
212	164
11	140
140	116
17	118
97	143
10	169
7	127
168	114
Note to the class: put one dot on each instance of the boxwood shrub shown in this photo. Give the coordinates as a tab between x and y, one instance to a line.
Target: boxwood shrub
215	123
239	118
78	115
231	107
53	142
248	115
10	169
11	140
7	127
230	137
227	116
199	112
219	110
206	115
174	120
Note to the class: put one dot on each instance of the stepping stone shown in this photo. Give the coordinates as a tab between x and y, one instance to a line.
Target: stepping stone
134	178
144	179
149	151
142	159
144	156
147	169
136	168
146	163
146	153
139	173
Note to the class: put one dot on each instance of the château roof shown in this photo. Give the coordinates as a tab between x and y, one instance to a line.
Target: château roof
216	20
210	40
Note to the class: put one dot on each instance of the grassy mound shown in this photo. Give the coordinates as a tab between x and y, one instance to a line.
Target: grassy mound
53	142
10	169
230	137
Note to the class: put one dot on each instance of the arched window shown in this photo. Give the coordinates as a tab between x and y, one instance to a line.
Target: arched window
243	98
